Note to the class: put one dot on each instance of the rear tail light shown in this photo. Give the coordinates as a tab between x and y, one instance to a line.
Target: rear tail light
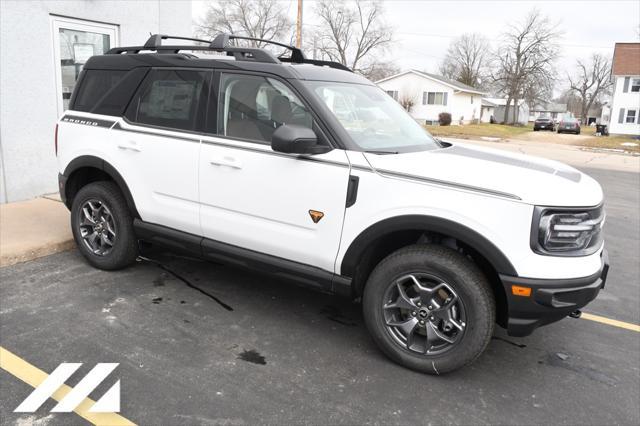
55	140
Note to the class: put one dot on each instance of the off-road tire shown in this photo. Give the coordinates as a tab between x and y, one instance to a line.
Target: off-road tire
462	275
125	248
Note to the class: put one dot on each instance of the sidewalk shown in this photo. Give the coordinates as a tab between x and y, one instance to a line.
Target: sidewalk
32	229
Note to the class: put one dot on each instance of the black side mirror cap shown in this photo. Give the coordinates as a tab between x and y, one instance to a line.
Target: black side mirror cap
295	139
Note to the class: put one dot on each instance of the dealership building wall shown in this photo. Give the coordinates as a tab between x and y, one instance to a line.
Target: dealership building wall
43	45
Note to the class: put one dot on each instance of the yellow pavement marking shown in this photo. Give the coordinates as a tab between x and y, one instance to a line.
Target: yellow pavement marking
33	376
612	322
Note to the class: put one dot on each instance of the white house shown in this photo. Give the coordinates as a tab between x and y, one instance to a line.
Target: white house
548	110
522	111
432	94
624	115
43	46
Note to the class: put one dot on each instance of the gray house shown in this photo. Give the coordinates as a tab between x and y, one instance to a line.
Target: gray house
521	111
43	46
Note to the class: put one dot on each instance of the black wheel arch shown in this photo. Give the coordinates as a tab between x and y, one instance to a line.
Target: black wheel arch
389	235
88	168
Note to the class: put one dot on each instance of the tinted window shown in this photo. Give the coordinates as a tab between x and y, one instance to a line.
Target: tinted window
252	107
95	84
170	98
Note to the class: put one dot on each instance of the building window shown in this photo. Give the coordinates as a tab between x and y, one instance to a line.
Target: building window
393	94
434	98
75	41
635	85
631	116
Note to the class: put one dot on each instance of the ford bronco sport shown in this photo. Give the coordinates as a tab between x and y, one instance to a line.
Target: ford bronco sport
303	169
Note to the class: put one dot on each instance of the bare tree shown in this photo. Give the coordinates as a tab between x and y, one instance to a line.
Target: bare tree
352	33
525	59
466	60
263	19
408	98
379	70
590	81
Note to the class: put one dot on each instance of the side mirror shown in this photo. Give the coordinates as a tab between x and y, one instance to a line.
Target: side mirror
294	139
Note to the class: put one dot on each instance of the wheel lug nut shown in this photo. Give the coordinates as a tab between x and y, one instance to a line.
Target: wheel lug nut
432	318
413	313
419	304
421	322
430	307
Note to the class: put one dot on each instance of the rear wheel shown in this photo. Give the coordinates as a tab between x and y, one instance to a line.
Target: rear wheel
102	226
429	308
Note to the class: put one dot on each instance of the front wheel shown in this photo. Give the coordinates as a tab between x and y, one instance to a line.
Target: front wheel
102	226
429	308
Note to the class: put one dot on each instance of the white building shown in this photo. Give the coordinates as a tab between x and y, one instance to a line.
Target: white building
43	46
521	112
624	115
548	110
432	94
488	111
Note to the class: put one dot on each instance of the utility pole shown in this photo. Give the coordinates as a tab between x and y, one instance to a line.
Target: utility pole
299	26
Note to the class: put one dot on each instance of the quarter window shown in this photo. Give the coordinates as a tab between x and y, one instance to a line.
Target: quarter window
631	116
393	94
252	107
170	98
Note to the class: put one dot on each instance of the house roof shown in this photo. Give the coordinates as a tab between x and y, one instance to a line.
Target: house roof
447	82
487	103
550	107
626	59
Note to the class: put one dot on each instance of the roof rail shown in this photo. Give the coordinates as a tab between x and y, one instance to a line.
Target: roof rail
221	44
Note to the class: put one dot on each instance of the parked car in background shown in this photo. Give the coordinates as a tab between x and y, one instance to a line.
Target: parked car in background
543	123
569	125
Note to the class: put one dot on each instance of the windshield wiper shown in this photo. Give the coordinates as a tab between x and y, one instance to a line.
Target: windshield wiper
381	152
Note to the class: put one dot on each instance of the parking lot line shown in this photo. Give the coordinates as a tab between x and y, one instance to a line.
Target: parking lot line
33	376
612	322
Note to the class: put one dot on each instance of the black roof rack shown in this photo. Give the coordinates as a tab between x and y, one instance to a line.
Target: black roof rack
221	44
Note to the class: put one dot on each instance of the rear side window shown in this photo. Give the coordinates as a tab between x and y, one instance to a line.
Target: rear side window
95	84
170	98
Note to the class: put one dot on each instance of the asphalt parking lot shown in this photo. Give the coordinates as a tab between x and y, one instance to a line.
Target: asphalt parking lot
200	343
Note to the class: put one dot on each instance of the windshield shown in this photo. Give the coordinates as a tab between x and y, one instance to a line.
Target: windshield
372	118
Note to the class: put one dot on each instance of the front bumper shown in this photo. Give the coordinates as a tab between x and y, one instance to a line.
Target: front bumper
550	300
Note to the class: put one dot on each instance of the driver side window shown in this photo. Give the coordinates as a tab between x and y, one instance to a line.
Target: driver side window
251	107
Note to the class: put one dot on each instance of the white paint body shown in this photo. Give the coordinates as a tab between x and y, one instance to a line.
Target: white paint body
254	199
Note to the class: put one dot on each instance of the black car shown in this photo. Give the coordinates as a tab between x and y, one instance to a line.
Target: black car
569	125
543	123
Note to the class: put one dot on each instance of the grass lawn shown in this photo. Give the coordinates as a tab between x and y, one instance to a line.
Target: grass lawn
526	133
471	131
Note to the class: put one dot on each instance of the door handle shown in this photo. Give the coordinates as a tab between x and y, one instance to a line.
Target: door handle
130	145
225	161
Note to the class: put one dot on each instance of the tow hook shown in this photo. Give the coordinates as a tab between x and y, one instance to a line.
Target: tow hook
576	314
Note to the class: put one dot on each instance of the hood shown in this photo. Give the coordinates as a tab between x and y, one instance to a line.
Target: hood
530	179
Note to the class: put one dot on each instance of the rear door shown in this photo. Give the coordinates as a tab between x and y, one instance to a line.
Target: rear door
158	145
288	206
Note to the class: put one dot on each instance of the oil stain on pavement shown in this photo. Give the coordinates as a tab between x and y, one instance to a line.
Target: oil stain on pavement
252	356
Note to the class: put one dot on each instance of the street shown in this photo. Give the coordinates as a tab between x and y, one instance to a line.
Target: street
201	343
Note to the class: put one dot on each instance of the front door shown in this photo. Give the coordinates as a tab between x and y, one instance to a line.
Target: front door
283	205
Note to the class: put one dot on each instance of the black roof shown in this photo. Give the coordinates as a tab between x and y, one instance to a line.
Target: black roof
295	66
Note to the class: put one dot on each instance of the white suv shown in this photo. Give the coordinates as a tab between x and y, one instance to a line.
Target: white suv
302	169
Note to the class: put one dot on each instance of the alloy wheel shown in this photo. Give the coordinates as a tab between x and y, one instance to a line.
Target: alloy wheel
423	314
97	227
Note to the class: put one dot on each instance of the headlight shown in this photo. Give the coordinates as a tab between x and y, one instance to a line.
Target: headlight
567	232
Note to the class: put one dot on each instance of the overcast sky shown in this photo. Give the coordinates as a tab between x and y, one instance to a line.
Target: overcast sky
424	28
